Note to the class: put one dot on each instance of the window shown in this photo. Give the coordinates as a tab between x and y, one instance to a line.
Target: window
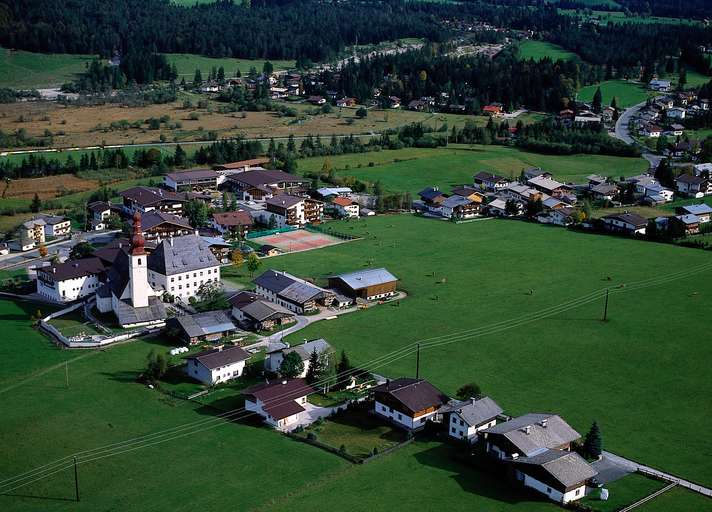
578	491
462	423
453	430
548	490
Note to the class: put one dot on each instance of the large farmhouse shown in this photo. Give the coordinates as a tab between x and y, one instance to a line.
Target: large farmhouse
297	295
71	280
263	184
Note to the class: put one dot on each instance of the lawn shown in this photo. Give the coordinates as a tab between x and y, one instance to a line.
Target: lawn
626	93
623	492
538	50
678	499
359	432
74	324
414	169
229	465
26	70
646	362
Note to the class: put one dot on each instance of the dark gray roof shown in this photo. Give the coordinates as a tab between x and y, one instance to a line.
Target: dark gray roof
118	275
99	206
305	350
697	209
195	174
368	277
693	180
128	315
266	177
465	191
414	394
567	468
209	322
261	310
430	193
73	269
181	254
150	220
488	176
455	201
215	358
302	292
147	196
274	280
476	411
629	218
284	200
545	431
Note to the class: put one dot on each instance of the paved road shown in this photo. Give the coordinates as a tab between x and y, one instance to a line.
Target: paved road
622	132
634	466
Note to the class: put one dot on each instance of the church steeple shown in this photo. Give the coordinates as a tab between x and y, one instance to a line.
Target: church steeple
138	269
137	240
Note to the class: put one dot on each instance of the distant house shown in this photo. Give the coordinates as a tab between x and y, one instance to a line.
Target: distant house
494	110
258	314
470	193
274	357
535	172
316	100
498	208
685	225
207	326
652	130
232	224
458	207
630	223
692	185
703	170
269	250
293	293
71	280
259	185
467	418
99	213
345	207
146	199
280	403
676	113
676	130
329	192
368	284
604	191
346	102
408	403
217	365
702	211
56	226
549	186
562	216
432	196
197	179
659	85
33	229
488	181
595	179
537	448
161	225
290	210
394	102
418	105
240	166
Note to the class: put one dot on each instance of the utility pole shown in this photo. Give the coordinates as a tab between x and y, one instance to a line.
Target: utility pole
605	308
76	480
417	362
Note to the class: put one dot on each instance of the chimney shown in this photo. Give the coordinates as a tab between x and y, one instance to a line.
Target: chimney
284	382
527	429
515	456
544	422
54	270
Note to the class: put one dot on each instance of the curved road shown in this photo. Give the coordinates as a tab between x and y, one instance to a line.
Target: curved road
622	132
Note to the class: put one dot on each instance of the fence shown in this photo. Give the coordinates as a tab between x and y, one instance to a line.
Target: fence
268	232
330	232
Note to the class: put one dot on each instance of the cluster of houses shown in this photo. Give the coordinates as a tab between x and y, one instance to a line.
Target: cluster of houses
665	116
38	230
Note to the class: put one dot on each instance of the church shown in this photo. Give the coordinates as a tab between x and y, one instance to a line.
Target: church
137	281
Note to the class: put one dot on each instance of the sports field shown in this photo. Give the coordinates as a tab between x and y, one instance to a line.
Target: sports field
414	169
300	240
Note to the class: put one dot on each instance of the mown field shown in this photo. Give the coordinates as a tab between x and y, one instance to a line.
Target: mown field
538	50
27	70
187	63
414	169
620	17
469	276
626	93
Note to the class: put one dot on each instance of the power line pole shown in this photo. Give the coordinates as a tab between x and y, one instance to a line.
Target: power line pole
76	480
605	308
417	362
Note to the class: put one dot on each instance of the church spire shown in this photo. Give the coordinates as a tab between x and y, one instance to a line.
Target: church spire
137	240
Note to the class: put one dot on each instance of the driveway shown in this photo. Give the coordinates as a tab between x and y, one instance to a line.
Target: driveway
622	132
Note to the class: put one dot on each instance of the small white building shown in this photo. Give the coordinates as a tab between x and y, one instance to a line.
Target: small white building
70	281
280	403
99	213
56	226
345	207
217	365
469	417
676	113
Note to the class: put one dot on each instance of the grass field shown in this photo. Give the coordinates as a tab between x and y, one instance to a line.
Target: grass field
25	70
649	345
678	499
626	93
187	63
625	491
538	50
620	17
445	167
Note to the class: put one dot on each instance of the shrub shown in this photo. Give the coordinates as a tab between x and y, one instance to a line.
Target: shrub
311	436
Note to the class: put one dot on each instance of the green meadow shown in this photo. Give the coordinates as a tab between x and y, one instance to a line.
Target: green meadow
414	169
537	50
626	93
187	64
26	70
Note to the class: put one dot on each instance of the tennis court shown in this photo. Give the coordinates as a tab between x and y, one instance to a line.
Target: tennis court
299	240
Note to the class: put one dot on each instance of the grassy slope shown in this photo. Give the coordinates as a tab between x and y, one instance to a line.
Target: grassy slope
645	363
537	50
43	420
626	93
20	69
188	63
421	168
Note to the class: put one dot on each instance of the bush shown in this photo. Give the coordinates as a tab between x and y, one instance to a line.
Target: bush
311	436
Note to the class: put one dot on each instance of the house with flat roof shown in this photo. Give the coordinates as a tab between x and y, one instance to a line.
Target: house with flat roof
217	365
199	327
367	284
281	403
408	403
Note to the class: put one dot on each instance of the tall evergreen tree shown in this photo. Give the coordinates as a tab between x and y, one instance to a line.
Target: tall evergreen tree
593	442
